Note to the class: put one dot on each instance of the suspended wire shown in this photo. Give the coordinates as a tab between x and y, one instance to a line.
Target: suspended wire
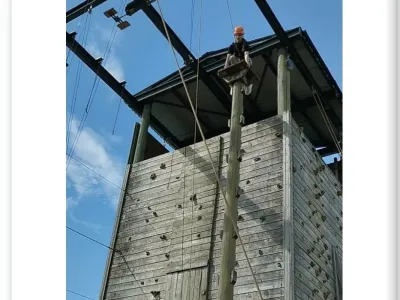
113	249
80	295
140	209
326	120
83	7
94	87
92	93
229	11
191	24
116	116
195	134
78	76
208	150
89	238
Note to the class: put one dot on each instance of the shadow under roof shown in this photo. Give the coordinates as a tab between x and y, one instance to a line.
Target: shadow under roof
171	107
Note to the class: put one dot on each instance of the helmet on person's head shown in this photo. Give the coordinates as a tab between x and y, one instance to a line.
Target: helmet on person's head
238	31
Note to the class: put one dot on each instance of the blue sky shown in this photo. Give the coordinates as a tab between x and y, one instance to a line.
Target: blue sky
140	55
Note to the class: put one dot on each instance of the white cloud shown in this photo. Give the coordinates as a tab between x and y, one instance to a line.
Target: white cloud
94	151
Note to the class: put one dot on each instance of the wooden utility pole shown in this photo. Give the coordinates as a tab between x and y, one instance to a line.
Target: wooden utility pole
141	143
238	75
228	250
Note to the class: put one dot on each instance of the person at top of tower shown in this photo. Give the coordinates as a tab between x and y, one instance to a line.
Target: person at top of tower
238	51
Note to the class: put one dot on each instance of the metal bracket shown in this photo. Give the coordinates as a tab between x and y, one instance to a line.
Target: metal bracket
242	120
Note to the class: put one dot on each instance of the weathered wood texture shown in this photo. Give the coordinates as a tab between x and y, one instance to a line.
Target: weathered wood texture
317	221
170	243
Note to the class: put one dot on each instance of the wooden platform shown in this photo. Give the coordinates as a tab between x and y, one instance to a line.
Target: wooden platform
239	71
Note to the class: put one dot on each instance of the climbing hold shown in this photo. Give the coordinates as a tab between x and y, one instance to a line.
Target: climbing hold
308	251
236	264
198	217
155	214
309	202
322	193
279	186
198	235
221	234
148	253
242	120
341	228
312	264
326	246
315	185
317	273
323	218
142	282
329	257
179	205
304	140
322	167
137	200
153	176
339	193
200	207
233	277
318	225
156	280
322	205
326	295
294	170
147	220
278	134
257	159
318	239
234	235
240	218
326	262
260	252
163	237
130	239
193	197
262	218
322	236
317	196
302	223
337	218
319	255
316	172
279	265
248	181
149	208
162	166
313	149
177	177
240	155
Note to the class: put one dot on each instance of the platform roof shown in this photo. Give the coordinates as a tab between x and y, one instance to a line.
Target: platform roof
171	107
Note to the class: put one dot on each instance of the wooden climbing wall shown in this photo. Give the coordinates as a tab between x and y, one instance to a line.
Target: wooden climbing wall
172	215
317	221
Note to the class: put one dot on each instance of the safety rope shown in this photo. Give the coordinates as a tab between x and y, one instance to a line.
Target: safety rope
208	150
326	120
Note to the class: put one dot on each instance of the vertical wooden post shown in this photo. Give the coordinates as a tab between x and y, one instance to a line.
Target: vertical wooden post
284	109
283	82
228	250
141	143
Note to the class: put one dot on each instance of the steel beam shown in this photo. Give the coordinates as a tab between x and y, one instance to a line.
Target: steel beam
117	87
80	9
281	34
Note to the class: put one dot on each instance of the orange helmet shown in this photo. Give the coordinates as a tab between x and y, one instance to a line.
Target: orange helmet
239	30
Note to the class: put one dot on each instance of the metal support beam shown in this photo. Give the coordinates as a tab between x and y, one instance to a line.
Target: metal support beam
281	34
80	9
228	250
117	87
183	51
144	127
